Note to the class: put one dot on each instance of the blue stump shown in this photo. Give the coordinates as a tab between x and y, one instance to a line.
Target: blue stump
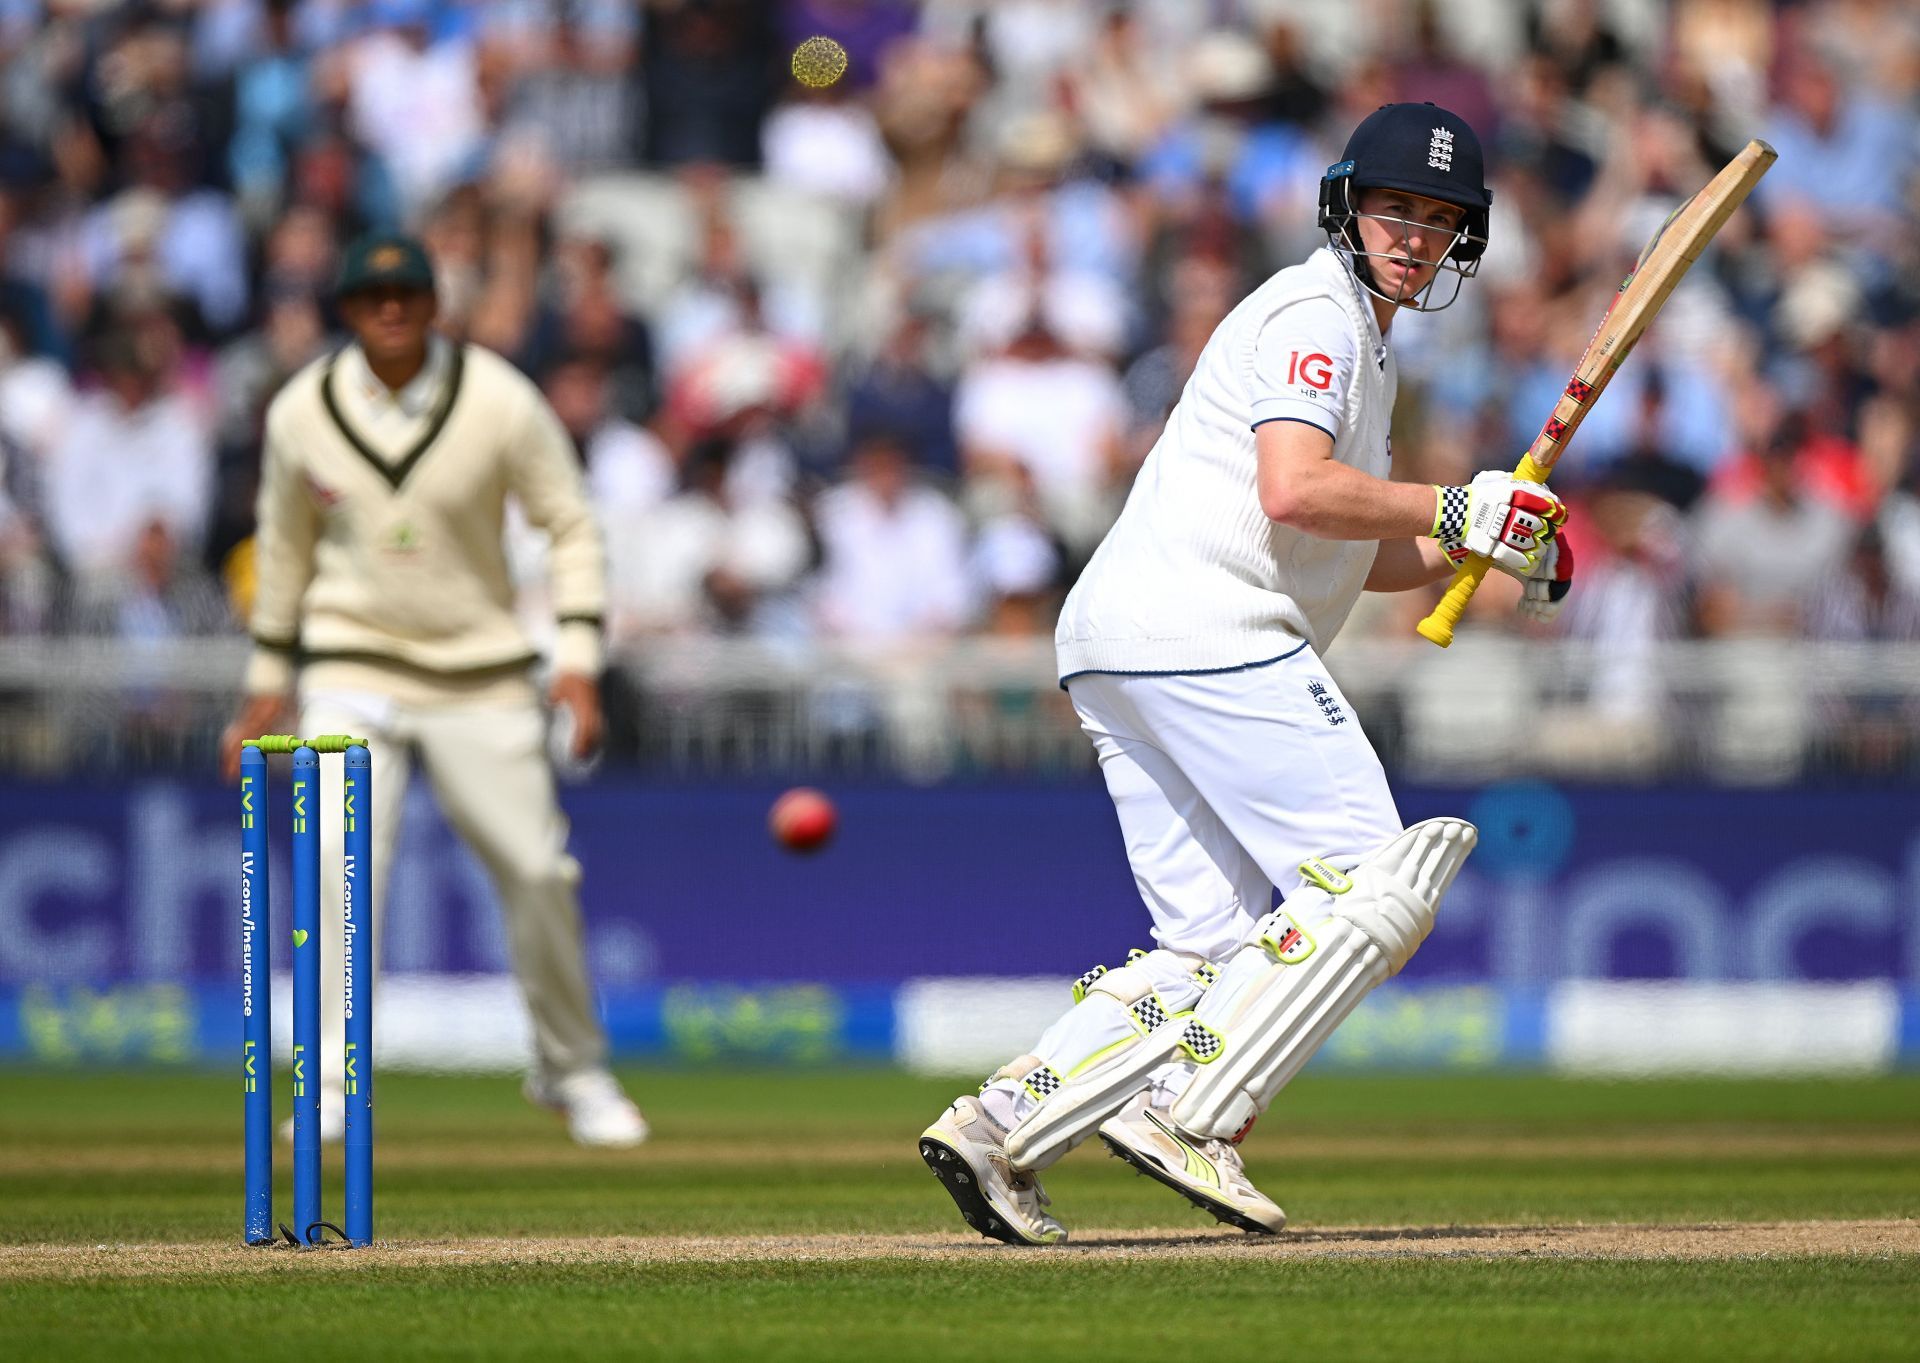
306	992
256	998
357	920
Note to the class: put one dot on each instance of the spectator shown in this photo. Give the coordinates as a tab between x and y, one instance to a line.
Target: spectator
1844	152
630	470
144	106
707	64
1541	132
1899	523
722	298
24	305
1203	293
273	115
26	577
134	453
1086	308
1627	547
703	561
1030	42
1269	169
1627	605
247	374
630	473
159	593
300	254
415	99
582	313
894	556
1826	467
345	180
1127	93
36	396
1044	221
1867	601
581	109
1298	95
456	233
1818	315
927	94
1060	416
162	237
509	281
1760	557
1578	39
1434	71
898	391
735	370
1646	465
1016	564
823	142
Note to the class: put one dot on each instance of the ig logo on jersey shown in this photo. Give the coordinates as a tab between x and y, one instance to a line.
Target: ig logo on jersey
1314	370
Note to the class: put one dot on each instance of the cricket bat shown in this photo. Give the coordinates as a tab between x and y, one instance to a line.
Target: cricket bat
1665	260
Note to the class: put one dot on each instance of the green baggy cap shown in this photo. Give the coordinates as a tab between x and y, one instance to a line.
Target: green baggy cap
385	260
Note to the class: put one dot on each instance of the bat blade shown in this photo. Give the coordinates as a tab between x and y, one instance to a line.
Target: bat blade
1663	263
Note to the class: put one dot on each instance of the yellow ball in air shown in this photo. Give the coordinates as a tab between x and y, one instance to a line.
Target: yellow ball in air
819	62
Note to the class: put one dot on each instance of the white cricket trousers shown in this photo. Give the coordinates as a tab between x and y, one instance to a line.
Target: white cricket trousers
491	778
1225	782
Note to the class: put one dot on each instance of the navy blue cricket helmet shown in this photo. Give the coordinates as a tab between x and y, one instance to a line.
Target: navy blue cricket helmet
1422	149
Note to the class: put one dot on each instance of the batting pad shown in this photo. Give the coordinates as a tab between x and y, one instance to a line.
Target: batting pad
1124	1024
1281	996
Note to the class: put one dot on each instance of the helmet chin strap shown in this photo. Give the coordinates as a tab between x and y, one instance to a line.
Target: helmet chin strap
1346	240
1417	301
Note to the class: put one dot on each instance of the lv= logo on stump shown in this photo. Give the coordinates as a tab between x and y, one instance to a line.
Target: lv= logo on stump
256	1005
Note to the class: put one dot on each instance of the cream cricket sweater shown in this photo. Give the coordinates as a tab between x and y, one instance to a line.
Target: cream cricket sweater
379	551
1193	576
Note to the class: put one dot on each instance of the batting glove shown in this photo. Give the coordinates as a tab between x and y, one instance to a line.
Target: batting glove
1549	582
1498	517
1545	585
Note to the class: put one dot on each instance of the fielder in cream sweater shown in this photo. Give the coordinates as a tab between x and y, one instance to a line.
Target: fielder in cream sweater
383	601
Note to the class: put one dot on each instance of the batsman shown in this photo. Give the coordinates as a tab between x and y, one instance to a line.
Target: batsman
383	596
1191	648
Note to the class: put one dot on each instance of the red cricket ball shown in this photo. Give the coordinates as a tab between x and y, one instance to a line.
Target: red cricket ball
802	820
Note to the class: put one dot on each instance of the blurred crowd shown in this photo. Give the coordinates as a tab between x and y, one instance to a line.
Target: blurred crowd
879	360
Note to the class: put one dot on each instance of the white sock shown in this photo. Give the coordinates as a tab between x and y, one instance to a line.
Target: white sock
1002	1100
1169	1082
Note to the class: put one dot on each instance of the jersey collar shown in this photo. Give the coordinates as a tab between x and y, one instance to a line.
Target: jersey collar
441	396
1335	264
414	400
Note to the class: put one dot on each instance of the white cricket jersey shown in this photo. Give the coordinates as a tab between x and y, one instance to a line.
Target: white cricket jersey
1193	575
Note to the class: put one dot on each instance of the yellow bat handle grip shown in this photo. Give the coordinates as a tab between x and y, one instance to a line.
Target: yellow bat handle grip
1438	627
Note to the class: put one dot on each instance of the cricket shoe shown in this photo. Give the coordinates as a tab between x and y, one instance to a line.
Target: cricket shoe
597	1109
1208	1173
333	1117
967	1151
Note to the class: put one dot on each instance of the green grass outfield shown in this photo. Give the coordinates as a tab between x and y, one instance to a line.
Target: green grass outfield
787	1216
